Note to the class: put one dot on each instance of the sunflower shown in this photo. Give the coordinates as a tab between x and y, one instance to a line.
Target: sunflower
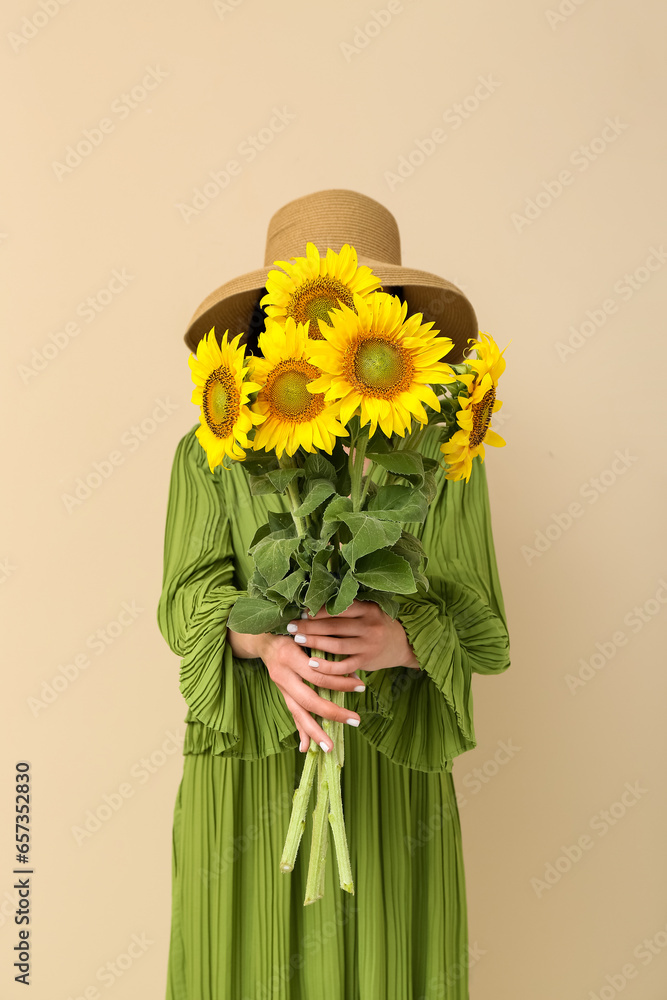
292	416
476	408
313	286
222	392
377	362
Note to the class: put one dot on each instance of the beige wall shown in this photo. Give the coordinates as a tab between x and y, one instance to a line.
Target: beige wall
547	86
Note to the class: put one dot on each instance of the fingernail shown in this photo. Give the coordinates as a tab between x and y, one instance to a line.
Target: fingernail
299	638
361	687
301	746
314	664
353	722
324	746
292	628
304	614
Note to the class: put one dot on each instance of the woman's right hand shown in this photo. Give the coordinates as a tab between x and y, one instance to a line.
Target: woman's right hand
288	668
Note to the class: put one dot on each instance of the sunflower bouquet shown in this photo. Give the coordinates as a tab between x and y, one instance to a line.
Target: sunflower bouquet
344	376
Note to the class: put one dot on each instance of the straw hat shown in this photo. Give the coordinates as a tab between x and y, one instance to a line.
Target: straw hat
331	219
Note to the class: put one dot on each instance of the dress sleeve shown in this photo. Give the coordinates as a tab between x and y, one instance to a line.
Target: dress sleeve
235	708
424	718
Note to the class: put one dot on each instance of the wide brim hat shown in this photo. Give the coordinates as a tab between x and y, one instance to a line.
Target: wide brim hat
330	219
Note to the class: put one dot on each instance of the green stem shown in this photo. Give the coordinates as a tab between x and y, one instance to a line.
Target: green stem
367	483
318	847
360	446
300	799
332	766
334	558
286	462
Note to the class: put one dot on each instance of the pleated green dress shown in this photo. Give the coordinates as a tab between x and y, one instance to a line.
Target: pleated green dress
239	929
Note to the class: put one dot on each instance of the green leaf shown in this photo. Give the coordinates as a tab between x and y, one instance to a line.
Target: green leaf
344	482
262	532
331	517
401	463
259	462
272	557
385	570
410	541
411	549
336	507
281	520
312	550
319	490
322	585
290	585
253	615
320	549
368	535
317	467
260	485
381	444
340	461
347	591
398	503
429	487
388	605
420	579
257	585
281	478
279	526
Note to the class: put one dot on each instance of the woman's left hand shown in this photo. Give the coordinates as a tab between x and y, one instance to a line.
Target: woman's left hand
369	638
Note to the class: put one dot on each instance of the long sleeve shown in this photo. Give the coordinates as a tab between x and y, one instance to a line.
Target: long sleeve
424	718
234	708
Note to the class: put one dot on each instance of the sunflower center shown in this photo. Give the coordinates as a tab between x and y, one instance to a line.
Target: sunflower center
286	391
314	299
481	416
220	402
380	368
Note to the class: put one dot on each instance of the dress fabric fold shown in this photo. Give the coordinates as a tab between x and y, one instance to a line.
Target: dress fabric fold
239	930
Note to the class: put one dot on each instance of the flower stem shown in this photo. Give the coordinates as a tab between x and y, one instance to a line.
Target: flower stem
286	462
320	839
300	799
333	763
367	483
360	446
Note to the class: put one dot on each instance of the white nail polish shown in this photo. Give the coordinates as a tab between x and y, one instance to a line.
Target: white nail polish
324	746
360	688
292	628
314	664
353	722
304	614
299	638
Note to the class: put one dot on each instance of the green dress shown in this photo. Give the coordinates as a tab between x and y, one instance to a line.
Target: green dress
239	929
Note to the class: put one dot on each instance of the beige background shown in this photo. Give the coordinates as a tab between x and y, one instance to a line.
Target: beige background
553	80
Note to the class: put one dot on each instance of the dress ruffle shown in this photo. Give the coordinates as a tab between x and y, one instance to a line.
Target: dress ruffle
234	708
424	718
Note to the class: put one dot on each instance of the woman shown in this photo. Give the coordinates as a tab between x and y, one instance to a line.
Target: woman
240	930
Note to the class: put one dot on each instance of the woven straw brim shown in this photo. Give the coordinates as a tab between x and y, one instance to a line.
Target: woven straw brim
230	306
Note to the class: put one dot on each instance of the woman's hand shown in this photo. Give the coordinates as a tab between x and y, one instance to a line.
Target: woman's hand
369	639
289	666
